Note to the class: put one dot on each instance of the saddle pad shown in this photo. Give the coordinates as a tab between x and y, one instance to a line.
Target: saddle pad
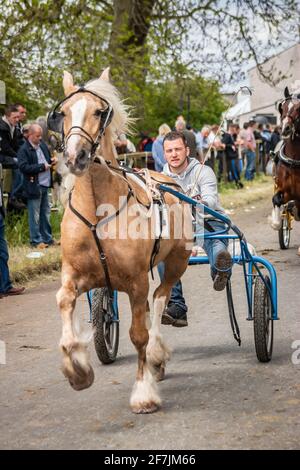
140	190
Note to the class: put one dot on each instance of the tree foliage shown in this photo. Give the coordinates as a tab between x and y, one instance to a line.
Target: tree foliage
198	100
152	45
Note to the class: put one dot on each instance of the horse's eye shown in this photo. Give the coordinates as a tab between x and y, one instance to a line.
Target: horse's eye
98	112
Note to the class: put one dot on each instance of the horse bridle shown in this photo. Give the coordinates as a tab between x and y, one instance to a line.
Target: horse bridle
295	122
55	122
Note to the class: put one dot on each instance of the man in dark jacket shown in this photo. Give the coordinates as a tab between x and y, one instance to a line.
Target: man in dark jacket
9	144
6	287
35	163
22	118
231	153
9	137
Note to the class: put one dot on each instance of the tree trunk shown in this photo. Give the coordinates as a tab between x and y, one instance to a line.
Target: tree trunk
128	44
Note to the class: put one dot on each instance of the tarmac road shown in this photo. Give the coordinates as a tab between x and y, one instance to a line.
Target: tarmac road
215	395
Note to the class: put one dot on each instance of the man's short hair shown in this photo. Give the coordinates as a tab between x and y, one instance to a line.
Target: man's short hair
33	127
174	135
11	108
180	123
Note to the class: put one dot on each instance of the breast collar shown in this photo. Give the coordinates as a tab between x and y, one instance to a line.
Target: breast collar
291	162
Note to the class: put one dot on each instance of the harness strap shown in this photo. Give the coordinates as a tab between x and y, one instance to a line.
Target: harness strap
125	169
93	228
156	246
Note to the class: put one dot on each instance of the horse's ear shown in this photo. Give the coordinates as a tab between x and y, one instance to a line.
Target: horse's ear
286	93
105	75
68	83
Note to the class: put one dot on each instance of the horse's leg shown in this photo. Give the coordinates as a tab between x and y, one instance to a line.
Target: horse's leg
296	213
157	351
144	397
76	365
276	215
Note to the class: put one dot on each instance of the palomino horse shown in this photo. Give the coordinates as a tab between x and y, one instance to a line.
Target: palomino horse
89	117
287	159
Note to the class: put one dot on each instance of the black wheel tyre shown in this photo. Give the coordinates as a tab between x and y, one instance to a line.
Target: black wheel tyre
284	234
262	319
106	333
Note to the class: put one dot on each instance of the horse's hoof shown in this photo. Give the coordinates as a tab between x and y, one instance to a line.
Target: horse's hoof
145	408
80	381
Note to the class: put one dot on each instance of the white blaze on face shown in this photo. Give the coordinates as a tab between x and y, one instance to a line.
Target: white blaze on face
286	119
77	111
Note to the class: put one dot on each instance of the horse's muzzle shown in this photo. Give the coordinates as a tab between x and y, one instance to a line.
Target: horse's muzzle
78	164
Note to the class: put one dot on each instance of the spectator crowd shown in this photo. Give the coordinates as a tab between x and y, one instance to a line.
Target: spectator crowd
230	153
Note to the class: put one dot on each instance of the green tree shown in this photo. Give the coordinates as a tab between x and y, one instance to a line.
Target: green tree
199	101
145	41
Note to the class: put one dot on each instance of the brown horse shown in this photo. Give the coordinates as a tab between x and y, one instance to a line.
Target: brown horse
287	159
90	118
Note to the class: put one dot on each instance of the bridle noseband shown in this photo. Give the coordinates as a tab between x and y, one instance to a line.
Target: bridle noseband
55	123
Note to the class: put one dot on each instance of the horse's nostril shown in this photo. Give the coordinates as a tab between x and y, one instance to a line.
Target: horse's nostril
81	155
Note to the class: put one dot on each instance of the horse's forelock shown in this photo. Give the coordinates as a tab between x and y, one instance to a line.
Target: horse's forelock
121	121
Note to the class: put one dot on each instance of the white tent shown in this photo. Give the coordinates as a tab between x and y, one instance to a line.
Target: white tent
242	107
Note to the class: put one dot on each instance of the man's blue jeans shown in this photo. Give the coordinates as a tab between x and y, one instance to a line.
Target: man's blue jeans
212	248
39	218
176	292
250	168
5	282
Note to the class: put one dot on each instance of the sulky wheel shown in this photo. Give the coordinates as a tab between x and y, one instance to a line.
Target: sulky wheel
284	232
106	335
263	323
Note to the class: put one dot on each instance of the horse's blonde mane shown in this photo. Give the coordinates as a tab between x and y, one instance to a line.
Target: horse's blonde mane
121	121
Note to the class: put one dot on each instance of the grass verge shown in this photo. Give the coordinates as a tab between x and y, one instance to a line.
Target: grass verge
23	270
256	190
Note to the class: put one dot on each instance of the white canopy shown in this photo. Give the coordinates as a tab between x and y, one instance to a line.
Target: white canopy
242	107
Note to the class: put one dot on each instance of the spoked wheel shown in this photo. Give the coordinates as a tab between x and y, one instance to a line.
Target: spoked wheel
106	336
284	232
263	323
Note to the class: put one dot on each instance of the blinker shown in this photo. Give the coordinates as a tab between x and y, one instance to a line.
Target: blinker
55	122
